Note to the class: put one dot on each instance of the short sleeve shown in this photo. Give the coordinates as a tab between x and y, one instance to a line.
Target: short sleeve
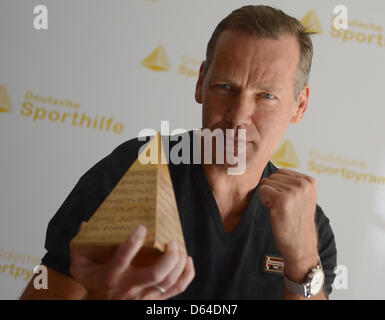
79	206
88	194
326	248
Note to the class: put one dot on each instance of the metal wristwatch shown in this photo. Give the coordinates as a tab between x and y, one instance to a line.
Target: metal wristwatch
313	285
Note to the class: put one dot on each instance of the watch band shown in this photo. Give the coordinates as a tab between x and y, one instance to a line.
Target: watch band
303	289
294	287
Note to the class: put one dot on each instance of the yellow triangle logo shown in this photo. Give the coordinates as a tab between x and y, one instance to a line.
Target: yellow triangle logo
5	104
157	60
311	22
286	156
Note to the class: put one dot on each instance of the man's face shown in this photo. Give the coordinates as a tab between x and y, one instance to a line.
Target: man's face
250	85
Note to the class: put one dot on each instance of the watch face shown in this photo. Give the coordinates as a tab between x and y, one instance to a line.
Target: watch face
317	282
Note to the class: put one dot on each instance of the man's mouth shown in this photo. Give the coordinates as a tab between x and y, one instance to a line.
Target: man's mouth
234	141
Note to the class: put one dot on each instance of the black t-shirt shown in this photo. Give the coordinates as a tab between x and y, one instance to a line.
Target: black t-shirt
227	266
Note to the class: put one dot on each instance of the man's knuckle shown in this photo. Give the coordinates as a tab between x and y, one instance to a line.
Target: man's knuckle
130	293
119	259
301	183
168	282
156	276
180	287
191	276
310	180
109	280
284	197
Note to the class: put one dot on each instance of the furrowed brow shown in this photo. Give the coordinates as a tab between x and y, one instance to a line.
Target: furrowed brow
271	88
268	87
221	78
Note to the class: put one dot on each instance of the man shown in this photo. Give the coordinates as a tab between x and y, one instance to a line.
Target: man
258	235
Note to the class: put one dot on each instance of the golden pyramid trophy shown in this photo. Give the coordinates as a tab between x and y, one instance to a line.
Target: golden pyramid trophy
143	196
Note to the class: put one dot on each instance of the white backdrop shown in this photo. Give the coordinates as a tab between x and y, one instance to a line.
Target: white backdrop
89	63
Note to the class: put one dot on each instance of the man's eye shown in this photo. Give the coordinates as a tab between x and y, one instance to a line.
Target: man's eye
224	86
268	96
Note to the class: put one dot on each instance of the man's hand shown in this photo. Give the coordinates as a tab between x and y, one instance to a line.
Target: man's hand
291	197
118	280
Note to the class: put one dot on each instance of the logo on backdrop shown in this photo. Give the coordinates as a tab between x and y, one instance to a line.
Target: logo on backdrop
189	66
327	164
157	60
38	108
342	167
312	22
5	103
17	265
370	33
286	156
346	29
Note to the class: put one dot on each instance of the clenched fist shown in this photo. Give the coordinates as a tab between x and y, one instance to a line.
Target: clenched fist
291	198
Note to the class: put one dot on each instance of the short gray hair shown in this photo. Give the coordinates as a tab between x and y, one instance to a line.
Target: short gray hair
268	22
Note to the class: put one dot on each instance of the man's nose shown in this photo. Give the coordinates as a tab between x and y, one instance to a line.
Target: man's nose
240	112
